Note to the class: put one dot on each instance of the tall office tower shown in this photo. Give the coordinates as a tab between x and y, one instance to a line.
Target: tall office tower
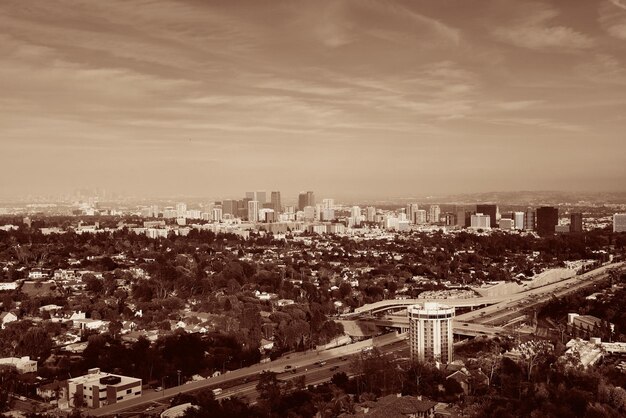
318	211
253	211
420	216
576	222
261	196
229	207
491	210
250	195
619	222
302	201
310	196
518	220
242	208
267	215
309	213
506	224
480	221
355	215
276	203
547	219
460	218
411	208
328	203
306	199
370	214
529	221
327	214
216	215
430	332
181	210
434	213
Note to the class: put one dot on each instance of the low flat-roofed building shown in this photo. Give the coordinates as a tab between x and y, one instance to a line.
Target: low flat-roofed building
22	364
97	389
587	352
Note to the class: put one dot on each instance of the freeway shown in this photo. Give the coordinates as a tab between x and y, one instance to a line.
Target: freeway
298	360
459	327
519	301
500	301
390	304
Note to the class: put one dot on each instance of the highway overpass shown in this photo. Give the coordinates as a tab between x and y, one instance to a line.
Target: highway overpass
393	304
460	328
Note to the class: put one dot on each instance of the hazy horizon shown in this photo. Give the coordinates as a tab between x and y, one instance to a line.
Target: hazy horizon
364	98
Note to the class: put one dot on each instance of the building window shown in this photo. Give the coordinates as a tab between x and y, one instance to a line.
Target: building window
129	391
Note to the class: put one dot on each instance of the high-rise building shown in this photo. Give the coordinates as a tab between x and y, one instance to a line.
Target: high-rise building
576	222
491	210
229	207
619	222
518	220
327	214
328	203
276	203
434	211
253	211
529	220
506	224
370	214
480	221
216	215
411	209
420	216
309	213
306	199
430	332
310	196
355	215
259	196
267	215
460	219
547	219
181	210
302	202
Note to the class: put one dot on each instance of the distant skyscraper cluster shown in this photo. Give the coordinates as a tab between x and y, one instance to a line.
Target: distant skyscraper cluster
329	217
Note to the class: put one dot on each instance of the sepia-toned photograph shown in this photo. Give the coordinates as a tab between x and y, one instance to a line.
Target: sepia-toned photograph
312	208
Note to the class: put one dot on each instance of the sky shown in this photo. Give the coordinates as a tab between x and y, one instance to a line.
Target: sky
344	97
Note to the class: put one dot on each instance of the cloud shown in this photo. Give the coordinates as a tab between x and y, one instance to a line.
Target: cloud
619	3
534	31
518	104
613	18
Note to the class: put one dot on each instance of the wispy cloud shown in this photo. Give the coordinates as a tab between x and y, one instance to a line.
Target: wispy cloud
535	31
613	18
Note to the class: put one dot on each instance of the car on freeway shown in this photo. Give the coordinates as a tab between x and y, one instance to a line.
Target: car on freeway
332	369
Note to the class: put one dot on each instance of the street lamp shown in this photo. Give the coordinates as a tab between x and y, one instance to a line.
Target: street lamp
178	371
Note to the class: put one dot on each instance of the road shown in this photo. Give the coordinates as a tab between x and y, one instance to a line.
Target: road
459	327
306	360
472	302
519	301
298	360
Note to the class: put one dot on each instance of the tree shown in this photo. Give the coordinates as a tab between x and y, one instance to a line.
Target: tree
268	388
93	284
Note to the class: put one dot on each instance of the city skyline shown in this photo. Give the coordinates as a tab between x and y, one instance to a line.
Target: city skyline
369	98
